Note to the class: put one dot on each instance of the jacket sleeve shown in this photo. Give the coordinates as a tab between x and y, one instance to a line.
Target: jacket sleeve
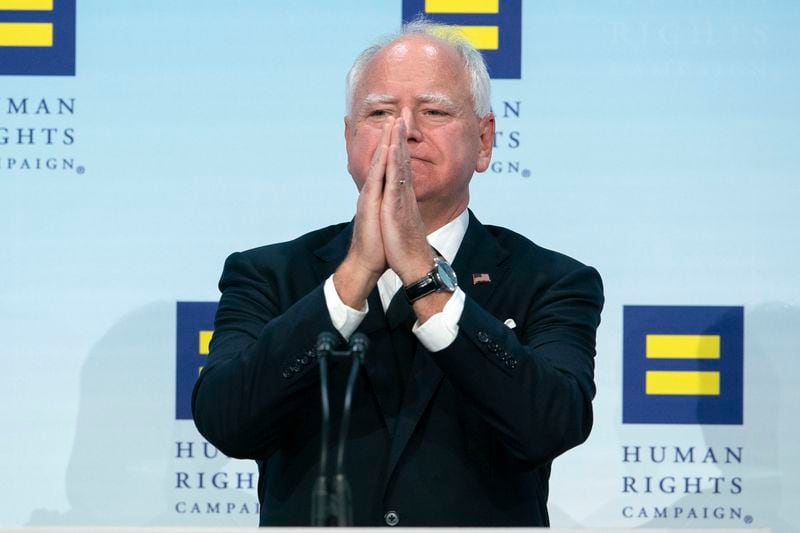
535	386
261	358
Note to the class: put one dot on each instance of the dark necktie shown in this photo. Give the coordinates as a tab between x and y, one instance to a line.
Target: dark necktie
400	317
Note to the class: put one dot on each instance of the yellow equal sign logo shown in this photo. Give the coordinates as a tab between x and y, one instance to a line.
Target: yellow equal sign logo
682	382
203	344
26	34
481	37
492	26
462	6
26	5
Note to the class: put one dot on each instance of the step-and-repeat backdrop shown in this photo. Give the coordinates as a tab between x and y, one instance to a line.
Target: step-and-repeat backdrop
142	142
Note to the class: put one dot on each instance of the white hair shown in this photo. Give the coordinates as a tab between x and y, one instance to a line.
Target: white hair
473	61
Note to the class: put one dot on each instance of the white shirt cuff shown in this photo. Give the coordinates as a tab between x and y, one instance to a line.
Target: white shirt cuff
440	330
345	319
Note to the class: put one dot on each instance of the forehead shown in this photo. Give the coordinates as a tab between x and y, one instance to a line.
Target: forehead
417	61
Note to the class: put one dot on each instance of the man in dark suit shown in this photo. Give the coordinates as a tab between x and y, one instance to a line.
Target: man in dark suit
468	392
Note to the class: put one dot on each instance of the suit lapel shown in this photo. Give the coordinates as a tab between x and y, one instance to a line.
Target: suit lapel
479	253
332	253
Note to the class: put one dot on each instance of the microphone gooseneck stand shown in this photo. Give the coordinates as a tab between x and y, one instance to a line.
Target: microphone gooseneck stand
335	507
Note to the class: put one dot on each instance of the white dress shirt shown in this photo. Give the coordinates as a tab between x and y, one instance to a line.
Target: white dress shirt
440	330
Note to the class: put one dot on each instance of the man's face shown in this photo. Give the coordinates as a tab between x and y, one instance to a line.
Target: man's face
426	84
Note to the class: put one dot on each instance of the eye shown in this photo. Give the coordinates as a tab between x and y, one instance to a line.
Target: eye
436	112
378	113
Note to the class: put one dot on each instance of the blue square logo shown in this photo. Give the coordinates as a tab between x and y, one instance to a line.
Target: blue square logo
683	365
195	327
493	26
37	37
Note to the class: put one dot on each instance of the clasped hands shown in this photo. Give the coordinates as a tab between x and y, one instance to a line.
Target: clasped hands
388	231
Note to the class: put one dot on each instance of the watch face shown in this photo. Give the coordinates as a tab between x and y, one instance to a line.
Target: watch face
447	275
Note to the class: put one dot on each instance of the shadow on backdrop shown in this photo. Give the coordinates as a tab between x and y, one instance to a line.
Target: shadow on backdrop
122	470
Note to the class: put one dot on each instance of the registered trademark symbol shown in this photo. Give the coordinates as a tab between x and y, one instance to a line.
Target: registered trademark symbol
748	519
526	173
81	169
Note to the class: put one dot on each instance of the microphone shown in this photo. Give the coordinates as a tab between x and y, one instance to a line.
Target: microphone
320	495
342	496
358	345
326	343
333	506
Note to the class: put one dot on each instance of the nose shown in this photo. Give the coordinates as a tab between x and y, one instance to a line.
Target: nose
413	134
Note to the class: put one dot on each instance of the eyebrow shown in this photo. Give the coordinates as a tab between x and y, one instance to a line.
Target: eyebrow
436	98
425	98
373	99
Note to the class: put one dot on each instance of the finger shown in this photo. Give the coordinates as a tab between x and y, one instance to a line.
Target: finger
398	167
386	136
377	169
403	155
406	178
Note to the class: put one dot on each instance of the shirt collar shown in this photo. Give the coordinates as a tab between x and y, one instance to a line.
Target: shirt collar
447	239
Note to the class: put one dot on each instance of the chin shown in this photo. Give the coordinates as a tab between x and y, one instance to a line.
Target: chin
424	195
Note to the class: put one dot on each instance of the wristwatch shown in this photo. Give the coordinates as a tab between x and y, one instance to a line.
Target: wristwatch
441	279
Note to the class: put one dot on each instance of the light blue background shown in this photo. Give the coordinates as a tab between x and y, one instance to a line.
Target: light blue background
663	142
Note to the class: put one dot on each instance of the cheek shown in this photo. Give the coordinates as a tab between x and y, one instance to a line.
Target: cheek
358	180
361	148
460	143
468	151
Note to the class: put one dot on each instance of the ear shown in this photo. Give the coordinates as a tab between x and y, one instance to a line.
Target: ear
486	129
348	130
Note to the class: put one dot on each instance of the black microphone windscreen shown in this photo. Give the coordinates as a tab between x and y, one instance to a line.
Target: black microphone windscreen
326	342
359	343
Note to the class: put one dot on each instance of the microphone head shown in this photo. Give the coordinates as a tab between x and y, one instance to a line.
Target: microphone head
359	343
326	342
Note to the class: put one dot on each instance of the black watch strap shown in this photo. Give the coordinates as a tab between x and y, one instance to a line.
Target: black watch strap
421	288
440	279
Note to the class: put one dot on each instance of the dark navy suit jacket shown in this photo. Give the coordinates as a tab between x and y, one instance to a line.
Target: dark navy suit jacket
480	422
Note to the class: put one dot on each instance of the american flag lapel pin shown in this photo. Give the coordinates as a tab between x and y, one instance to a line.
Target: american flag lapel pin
481	277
